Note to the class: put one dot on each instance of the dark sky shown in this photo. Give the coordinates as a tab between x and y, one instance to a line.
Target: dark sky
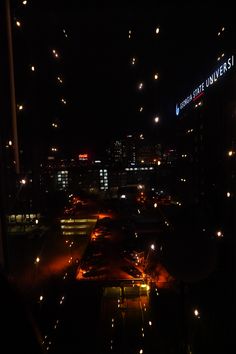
100	80
105	94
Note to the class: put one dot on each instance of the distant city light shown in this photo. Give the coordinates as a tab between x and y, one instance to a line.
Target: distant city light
228	194
196	313
55	53
156	119
152	246
230	153
156	76
18	23
32	68
24	2
140	86
140	109
10	143
20	107
219	234
60	79
157	30
23	181
64	31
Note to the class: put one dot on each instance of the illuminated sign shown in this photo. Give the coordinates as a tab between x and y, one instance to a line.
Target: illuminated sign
83	156
210	80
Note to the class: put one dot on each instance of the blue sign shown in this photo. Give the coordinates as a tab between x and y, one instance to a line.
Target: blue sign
199	90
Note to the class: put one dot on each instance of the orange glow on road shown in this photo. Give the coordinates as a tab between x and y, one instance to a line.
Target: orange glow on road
42	272
55	267
163	278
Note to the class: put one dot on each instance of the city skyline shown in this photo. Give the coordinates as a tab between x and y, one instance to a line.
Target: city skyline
117	154
104	53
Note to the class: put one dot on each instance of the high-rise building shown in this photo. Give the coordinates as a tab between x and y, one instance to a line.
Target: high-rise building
205	120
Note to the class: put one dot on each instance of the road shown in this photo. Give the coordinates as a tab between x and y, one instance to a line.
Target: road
126	325
109	312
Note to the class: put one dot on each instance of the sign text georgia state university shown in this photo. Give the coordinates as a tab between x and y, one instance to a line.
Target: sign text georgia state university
198	91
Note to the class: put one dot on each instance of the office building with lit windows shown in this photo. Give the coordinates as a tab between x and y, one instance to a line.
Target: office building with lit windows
204	184
205	180
206	128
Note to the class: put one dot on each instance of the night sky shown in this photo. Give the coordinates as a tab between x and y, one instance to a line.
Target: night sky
101	81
